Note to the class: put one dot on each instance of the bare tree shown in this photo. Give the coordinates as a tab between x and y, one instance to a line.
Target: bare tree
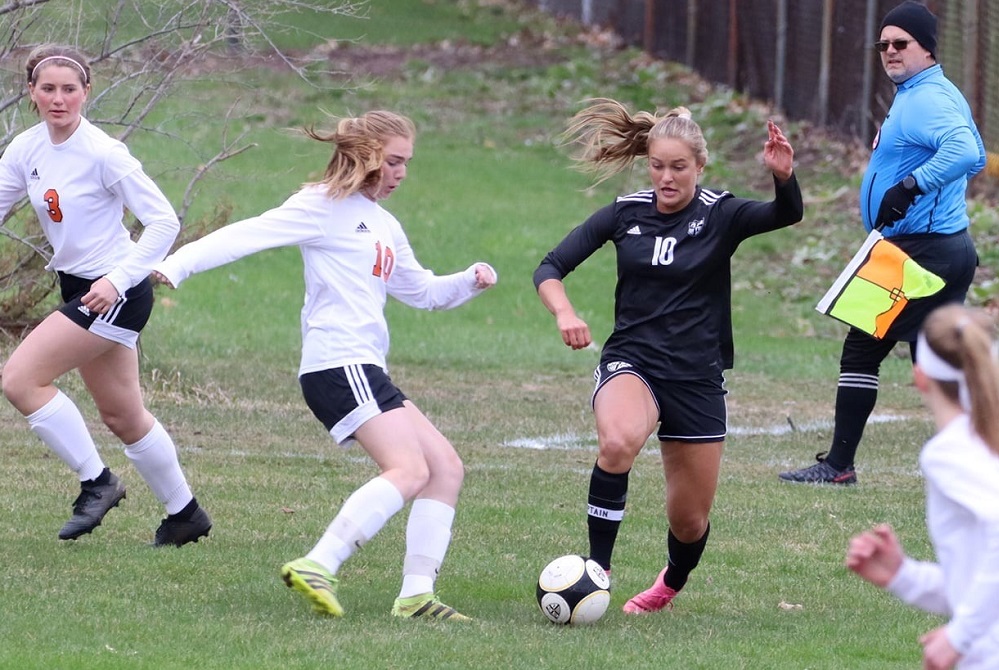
143	51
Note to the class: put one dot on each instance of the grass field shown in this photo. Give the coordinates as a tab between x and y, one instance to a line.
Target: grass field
488	182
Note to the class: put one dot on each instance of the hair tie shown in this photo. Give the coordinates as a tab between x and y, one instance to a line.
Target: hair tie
79	67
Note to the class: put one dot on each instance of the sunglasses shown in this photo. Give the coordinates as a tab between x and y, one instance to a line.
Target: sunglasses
882	45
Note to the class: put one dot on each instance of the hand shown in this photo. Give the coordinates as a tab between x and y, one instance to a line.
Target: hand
895	204
778	155
101	296
875	555
484	276
575	332
938	652
159	278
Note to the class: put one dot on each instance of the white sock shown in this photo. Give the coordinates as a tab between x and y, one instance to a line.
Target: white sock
62	428
363	514
428	534
155	457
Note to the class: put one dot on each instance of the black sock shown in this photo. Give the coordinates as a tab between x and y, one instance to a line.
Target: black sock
605	509
185	514
854	404
101	479
683	558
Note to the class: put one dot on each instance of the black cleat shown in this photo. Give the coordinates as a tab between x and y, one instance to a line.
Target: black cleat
178	532
821	473
89	508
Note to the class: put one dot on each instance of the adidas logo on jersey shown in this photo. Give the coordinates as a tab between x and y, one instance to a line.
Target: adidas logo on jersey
634	230
361	228
83	310
34	174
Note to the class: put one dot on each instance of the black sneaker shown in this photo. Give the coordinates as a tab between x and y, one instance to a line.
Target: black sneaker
179	532
821	473
89	508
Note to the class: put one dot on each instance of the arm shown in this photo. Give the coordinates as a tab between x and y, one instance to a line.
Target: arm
576	247
945	147
575	332
12	186
921	584
752	217
959	154
877	557
293	223
967	479
778	155
160	228
416	286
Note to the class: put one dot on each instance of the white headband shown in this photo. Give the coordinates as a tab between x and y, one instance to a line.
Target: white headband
79	67
934	366
937	368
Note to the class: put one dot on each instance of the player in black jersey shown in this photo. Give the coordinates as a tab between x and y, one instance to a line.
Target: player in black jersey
663	363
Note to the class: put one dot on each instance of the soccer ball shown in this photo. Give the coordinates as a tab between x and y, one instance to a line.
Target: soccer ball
573	590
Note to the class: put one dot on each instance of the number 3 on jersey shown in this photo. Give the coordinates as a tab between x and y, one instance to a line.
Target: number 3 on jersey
51	199
384	262
663	253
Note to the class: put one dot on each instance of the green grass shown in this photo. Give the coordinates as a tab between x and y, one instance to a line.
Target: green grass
219	363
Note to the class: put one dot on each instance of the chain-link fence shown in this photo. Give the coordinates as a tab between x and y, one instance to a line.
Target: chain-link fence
811	58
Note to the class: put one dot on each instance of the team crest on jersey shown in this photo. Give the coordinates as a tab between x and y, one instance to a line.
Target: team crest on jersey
614	366
695	227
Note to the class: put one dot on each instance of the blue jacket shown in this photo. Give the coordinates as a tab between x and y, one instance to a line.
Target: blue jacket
930	133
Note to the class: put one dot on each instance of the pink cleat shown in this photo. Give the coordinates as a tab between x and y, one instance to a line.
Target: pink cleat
652	599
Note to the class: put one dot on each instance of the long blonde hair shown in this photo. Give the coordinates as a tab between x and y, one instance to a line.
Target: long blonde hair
359	150
612	138
965	338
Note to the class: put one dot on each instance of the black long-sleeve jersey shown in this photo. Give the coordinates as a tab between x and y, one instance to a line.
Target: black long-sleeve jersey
673	301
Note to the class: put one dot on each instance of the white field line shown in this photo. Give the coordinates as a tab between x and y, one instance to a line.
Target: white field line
574	442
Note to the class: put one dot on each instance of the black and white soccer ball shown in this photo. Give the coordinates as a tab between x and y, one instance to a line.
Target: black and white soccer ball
573	590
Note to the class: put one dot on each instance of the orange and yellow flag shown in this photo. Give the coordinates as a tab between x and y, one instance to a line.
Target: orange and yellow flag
876	286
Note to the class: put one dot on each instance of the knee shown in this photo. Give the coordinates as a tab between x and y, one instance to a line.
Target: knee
453	471
618	451
129	427
689	525
411	479
16	385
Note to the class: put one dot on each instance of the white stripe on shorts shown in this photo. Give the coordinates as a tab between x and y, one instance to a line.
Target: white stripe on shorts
358	384
115	309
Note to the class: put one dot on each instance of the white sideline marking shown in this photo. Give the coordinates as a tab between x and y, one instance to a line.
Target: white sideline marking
572	442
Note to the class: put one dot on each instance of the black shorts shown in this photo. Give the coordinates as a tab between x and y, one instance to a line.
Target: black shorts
690	410
344	398
952	258
122	323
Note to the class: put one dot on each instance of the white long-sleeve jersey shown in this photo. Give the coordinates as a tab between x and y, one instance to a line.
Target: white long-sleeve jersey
355	254
79	189
962	515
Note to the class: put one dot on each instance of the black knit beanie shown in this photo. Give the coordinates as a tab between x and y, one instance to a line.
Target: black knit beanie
914	18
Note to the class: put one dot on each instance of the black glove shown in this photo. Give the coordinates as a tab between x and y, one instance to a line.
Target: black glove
896	202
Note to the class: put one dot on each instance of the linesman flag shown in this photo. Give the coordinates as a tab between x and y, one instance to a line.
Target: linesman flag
876	285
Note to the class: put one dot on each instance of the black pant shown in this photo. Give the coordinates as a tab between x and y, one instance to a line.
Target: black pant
950	257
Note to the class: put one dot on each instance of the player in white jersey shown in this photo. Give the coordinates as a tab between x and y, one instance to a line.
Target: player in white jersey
356	254
956	373
78	180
